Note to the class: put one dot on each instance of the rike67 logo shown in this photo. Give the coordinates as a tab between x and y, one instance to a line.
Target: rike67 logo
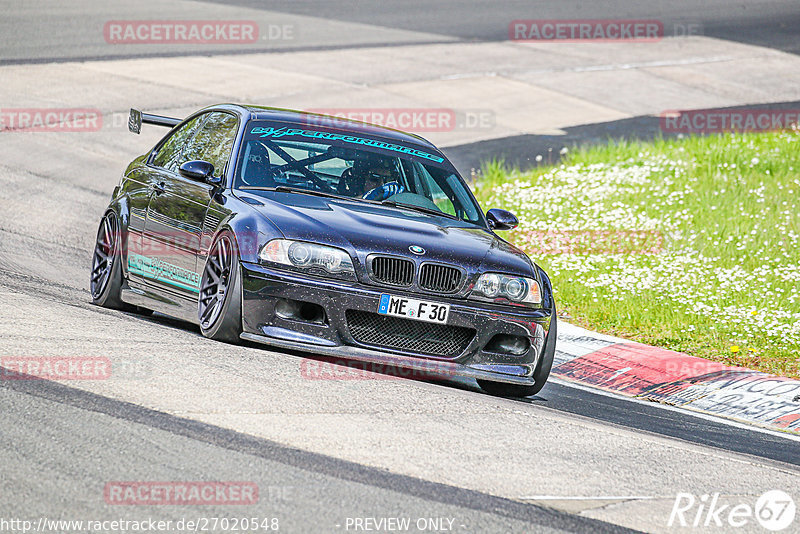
774	510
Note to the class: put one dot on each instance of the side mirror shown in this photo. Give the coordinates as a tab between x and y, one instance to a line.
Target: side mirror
198	170
501	219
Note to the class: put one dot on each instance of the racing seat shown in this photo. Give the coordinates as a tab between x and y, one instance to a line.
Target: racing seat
256	166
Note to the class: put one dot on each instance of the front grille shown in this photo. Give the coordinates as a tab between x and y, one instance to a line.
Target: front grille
393	271
439	278
408	335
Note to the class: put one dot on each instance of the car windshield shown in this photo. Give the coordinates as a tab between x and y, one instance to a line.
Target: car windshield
276	156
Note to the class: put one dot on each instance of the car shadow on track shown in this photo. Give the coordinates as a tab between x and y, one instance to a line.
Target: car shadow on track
319	367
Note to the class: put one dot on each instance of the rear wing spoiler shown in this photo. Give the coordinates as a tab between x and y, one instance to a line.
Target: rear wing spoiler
136	119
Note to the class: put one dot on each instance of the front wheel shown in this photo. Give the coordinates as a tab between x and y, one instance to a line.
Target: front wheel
501	389
219	306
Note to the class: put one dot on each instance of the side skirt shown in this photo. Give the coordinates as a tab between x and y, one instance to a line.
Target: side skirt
168	305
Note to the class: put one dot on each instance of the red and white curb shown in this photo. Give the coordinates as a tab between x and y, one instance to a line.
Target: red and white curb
677	379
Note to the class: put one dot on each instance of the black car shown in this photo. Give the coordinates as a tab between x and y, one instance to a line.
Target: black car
337	237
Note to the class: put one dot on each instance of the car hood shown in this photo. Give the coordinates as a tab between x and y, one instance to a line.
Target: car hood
362	228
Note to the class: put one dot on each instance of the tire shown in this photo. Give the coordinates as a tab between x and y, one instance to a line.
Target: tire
501	389
219	305
105	280
540	374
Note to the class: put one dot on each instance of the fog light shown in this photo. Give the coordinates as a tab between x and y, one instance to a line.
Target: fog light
508	344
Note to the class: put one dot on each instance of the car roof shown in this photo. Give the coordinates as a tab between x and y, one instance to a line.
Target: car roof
340	123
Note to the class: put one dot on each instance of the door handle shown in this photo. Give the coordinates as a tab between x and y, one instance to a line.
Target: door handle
158	188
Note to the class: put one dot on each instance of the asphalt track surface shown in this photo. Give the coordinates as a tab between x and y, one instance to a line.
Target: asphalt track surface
59	32
62	442
770	24
305	491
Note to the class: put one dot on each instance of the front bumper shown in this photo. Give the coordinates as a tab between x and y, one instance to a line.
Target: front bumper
263	288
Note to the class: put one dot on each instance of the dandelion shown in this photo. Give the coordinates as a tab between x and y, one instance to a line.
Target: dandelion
734	348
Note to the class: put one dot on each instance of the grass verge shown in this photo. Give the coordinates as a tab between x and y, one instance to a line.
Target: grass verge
690	244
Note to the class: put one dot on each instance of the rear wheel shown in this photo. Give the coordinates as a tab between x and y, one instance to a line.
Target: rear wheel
219	306
105	282
106	278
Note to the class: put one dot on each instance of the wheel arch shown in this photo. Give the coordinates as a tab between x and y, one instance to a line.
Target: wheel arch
120	206
251	230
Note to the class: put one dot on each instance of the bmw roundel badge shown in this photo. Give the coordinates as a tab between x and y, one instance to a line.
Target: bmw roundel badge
417	250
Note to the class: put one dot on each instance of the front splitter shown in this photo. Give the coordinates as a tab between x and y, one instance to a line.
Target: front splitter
522	374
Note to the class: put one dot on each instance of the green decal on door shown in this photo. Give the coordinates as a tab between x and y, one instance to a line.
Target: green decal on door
161	271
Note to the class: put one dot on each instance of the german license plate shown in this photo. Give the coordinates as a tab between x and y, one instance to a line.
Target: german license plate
421	310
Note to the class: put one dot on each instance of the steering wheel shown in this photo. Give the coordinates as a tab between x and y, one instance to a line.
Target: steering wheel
347	185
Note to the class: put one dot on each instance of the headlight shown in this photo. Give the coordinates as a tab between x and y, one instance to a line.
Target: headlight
502	287
308	257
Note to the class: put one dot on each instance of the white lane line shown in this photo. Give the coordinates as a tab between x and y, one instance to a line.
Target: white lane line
605	67
689	411
655	64
592	498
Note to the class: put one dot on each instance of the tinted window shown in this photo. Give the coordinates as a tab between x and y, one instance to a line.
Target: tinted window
169	155
213	141
433	190
352	166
